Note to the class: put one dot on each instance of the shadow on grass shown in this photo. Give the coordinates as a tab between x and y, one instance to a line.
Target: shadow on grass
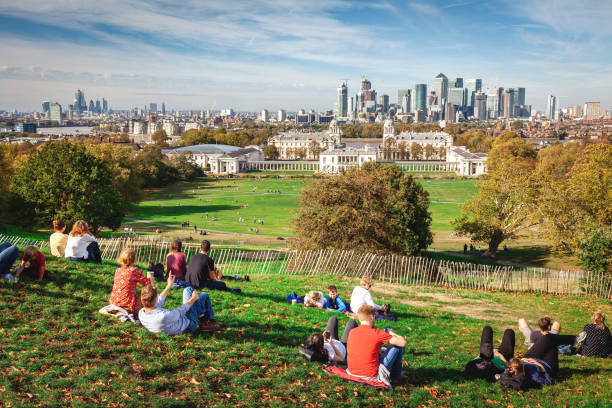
180	211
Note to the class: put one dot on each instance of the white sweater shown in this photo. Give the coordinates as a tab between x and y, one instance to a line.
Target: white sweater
76	247
360	297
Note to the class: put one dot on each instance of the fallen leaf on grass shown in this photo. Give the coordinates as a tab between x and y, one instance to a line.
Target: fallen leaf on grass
194	381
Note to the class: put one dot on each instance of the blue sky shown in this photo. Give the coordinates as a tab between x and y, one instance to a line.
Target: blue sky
292	54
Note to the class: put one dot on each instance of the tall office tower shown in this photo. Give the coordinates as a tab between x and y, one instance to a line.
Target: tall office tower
366	94
80	104
420	103
455	83
440	87
457	96
413	100
499	92
104	105
92	107
592	110
515	110
163	108
492	106
55	112
351	105
152	107
45	106
577	112
472	86
449	112
98	106
508	103
383	101
480	106
282	115
551	107
265	115
404	99
521	96
343	100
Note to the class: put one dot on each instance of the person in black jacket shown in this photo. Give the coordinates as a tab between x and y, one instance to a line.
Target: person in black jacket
598	340
201	269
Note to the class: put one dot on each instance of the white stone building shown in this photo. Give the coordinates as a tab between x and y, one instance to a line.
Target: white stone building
291	144
220	158
335	160
391	141
467	163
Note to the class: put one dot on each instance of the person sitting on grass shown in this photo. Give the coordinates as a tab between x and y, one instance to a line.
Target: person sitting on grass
333	303
201	271
491	361
183	319
58	240
127	276
546	348
363	350
81	245
598	340
545	325
176	262
32	263
8	255
362	296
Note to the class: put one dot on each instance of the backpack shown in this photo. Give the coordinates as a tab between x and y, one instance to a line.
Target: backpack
158	271
312	354
480	368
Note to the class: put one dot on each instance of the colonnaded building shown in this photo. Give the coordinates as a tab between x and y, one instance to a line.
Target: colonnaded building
326	152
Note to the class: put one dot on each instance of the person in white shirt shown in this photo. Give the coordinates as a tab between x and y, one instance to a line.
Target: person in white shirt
362	296
314	298
81	245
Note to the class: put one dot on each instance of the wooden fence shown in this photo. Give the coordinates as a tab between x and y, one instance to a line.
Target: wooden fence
22	242
389	268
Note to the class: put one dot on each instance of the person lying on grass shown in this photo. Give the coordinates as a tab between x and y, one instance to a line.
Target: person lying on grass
363	350
333	303
183	319
327	345
32	263
491	361
127	276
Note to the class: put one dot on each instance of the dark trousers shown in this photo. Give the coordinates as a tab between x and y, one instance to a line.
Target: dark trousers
216	285
93	254
506	348
332	328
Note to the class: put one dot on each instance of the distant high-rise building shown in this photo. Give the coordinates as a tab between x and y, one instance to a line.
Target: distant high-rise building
342	100
420	93
521	96
152	107
163	108
551	107
352	107
92	107
366	96
515	109
265	115
45	106
98	106
412	100
104	105
79	104
472	86
499	93
457	96
455	83
449	112
403	100
55	112
383	101
592	110
282	115
440	87
480	106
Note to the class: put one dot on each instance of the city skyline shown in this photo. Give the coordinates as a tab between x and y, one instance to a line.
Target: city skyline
277	55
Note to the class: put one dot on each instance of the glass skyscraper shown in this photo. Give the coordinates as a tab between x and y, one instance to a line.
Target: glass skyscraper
421	97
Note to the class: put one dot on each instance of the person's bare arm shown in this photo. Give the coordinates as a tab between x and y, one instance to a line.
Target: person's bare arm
501	356
169	284
397	340
20	269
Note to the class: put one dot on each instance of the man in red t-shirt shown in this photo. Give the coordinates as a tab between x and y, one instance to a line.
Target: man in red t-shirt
36	261
363	349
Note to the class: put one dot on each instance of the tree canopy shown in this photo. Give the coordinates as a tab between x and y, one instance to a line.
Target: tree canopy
375	208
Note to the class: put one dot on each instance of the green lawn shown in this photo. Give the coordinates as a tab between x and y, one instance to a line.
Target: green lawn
225	199
58	351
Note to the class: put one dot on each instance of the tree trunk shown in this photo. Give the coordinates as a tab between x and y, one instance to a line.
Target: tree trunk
494	242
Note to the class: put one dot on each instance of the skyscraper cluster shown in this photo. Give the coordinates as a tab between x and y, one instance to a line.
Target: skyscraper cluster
79	105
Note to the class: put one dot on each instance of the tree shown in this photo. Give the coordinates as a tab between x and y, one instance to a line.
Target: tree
160	137
505	200
300	152
374	208
185	168
416	151
315	149
429	151
595	252
152	165
61	180
271	152
6	172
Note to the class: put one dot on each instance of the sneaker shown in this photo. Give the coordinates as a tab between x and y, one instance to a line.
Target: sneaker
9	277
236	290
247	278
497	377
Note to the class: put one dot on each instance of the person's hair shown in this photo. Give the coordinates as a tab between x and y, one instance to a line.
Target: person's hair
314	295
30	254
366	281
176	246
515	367
58	225
79	229
148	295
365	312
315	342
332	288
544	323
127	257
598	319
205	246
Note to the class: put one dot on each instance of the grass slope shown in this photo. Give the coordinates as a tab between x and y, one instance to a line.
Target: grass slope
58	351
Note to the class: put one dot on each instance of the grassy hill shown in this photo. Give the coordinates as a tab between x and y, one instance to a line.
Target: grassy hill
59	351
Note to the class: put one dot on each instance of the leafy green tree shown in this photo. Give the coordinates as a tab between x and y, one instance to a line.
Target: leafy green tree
375	208
153	167
504	202
416	151
271	152
185	168
595	252
61	180
160	137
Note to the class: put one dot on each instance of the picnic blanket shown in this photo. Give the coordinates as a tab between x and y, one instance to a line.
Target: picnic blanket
341	372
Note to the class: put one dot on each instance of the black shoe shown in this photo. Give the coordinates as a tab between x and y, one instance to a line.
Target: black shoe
247	278
236	290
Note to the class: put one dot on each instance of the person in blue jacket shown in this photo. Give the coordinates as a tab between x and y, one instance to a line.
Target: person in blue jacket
333	303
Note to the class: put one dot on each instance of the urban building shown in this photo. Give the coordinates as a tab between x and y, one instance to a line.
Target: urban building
592	110
492	106
342	100
152	107
163	110
420	103
366	98
551	107
265	115
282	115
92	107
457	96
104	105
455	82
383	102
25	127
55	113
468	163
472	86
336	160
438	140
404	99
307	145
480	106
440	88
450	113
45	107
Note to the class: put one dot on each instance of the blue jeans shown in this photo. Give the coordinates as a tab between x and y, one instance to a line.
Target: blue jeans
93	254
392	359
202	306
8	255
